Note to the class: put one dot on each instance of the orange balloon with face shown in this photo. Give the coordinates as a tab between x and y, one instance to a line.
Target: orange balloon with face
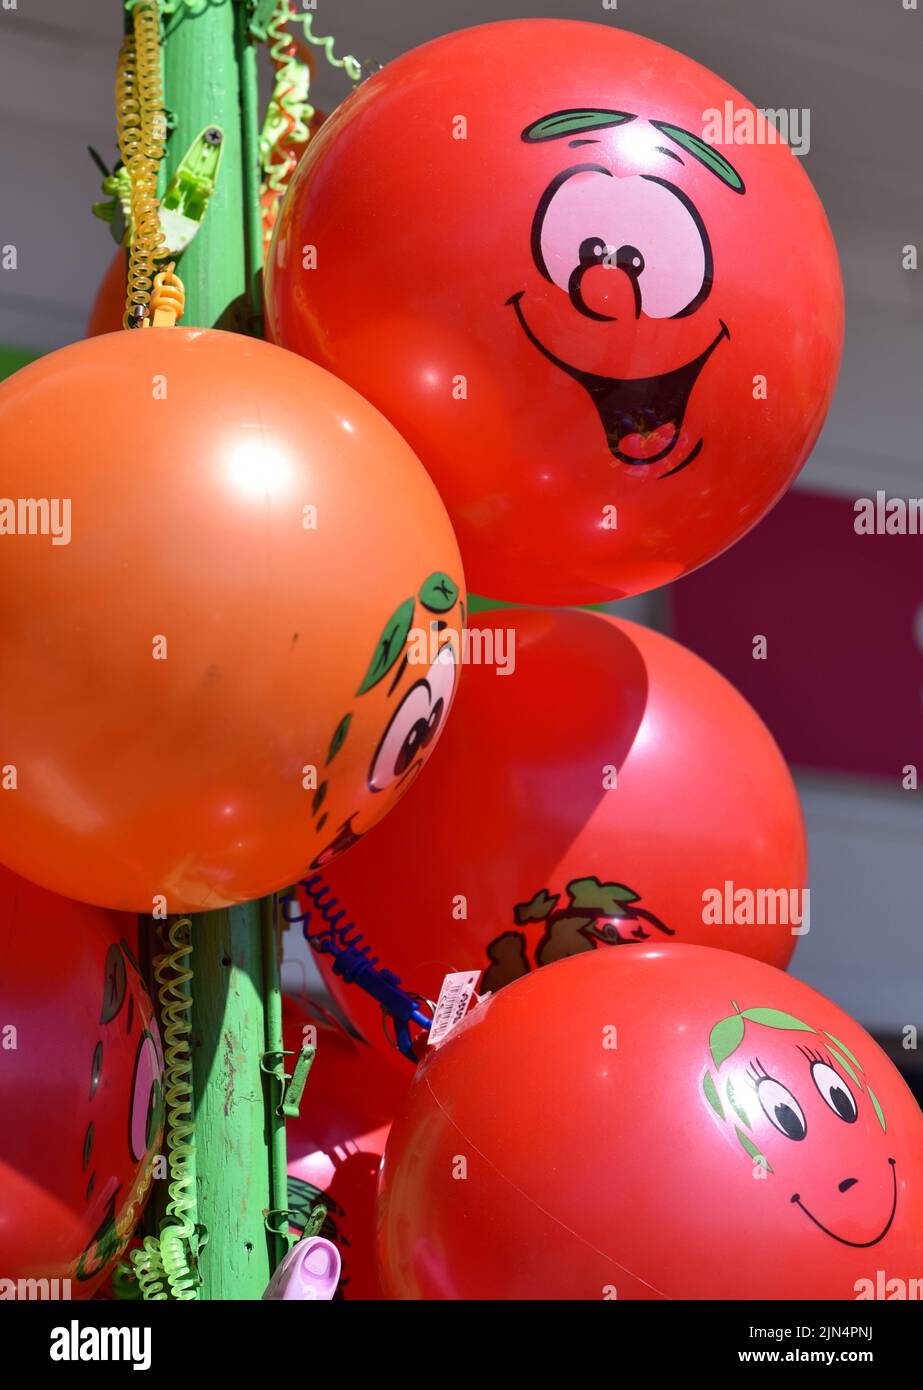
234	608
589	283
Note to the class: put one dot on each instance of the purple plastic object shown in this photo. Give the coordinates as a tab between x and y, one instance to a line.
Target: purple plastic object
310	1270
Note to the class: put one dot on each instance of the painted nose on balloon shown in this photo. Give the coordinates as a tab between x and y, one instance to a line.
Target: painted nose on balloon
606	289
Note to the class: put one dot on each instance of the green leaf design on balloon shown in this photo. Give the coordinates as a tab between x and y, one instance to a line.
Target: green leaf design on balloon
439	593
725	1038
775	1018
711	1095
608	898
114	984
706	154
572	122
838	1056
735	1104
843	1048
752	1150
878	1110
537	909
390	645
339	738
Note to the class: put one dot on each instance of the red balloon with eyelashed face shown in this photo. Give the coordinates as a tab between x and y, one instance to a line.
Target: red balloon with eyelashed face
671	1122
610	331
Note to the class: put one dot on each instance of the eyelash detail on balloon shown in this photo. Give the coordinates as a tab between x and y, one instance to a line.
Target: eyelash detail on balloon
756	1073
813	1055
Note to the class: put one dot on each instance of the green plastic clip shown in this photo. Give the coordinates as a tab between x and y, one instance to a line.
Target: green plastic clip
315	1221
183	206
117	209
294	1090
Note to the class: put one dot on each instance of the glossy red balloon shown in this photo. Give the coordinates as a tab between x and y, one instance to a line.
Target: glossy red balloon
81	1073
673	1122
604	791
611	343
335	1144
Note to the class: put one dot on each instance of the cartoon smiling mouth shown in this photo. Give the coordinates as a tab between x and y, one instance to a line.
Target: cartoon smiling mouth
347	835
642	416
344	838
844	1187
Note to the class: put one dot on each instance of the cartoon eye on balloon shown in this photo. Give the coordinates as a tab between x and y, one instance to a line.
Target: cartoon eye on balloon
414	724
122	987
146	1105
781	1108
642	225
864	1171
834	1091
422	630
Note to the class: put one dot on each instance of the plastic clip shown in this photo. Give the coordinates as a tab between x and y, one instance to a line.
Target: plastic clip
294	1088
183	206
116	210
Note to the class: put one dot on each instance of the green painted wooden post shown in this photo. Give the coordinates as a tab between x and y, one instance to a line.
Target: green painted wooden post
202	88
210	80
230	1093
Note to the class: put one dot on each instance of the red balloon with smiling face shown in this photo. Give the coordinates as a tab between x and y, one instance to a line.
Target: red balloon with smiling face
671	1122
588	283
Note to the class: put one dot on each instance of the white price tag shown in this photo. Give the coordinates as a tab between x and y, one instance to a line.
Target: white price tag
455	995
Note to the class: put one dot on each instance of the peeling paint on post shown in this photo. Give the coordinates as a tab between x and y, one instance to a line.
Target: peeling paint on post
232	1163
